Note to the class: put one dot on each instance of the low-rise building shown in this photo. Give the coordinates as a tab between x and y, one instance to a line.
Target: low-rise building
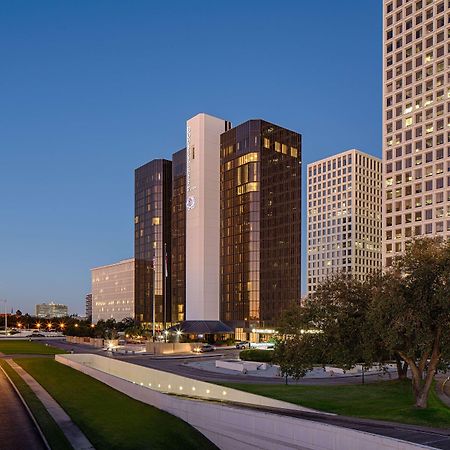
113	291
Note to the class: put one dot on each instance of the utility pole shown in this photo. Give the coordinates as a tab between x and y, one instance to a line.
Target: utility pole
153	300
165	287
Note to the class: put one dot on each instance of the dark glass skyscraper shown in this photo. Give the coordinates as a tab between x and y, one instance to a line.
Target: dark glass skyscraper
260	223
152	242
178	272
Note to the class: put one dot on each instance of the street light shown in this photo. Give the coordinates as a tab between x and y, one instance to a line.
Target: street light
38	325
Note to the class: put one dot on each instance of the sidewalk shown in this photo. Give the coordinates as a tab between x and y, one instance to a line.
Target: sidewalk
73	434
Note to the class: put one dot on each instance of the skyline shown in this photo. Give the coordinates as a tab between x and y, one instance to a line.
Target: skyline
90	98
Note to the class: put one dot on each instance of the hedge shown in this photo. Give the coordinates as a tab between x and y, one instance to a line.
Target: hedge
256	355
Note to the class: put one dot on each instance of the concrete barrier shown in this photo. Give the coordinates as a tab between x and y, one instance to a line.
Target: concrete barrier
227	426
95	342
240	366
167	348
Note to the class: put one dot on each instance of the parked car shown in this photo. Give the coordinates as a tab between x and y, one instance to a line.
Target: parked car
203	348
242	345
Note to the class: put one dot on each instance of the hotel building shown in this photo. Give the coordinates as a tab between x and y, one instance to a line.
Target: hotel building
344	216
260	223
152	242
416	120
203	216
113	291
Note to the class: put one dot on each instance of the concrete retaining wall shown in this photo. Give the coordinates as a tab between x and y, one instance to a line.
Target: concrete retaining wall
240	366
96	342
229	427
167	348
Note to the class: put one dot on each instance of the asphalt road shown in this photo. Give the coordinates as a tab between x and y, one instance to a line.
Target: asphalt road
177	365
17	430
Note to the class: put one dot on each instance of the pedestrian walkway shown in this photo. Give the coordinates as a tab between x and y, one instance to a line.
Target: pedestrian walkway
17	429
73	434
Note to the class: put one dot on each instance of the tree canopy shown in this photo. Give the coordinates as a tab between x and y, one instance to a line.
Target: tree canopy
402	314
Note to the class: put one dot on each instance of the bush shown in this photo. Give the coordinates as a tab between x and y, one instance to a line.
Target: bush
256	355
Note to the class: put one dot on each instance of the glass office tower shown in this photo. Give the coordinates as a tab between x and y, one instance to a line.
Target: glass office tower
178	266
260	223
152	242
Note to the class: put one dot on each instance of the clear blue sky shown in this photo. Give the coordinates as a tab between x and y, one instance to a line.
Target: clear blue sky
90	90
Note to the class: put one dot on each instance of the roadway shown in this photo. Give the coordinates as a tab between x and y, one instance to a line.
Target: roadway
17	430
177	365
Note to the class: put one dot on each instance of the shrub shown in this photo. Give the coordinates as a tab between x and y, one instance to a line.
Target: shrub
256	355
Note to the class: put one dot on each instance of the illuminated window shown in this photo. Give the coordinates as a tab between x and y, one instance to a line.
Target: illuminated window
408	121
266	143
155	221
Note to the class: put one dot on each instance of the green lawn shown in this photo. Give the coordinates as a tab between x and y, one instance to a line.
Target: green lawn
387	400
110	419
55	437
18	347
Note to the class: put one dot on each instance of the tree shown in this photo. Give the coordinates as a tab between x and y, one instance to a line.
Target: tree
330	327
410	311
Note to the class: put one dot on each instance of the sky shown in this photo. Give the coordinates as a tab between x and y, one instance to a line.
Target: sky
92	89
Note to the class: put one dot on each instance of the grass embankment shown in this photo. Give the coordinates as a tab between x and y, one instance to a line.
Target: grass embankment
55	437
386	400
110	419
18	347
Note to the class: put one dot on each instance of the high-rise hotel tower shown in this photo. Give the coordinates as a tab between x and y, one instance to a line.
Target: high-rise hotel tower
152	242
416	120
344	216
260	223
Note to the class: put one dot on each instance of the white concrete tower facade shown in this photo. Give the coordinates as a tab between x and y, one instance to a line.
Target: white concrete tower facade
203	216
344	216
416	121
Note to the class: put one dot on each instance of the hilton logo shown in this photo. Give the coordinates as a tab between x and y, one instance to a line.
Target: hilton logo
190	202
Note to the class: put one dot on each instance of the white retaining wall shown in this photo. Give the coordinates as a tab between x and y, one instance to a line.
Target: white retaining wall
229	427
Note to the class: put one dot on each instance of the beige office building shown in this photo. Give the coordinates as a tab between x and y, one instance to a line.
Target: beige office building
51	309
113	291
416	120
343	216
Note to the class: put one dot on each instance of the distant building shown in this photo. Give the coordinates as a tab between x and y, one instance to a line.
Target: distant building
88	310
113	291
49	310
344	216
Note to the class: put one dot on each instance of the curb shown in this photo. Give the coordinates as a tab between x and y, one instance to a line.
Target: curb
44	440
